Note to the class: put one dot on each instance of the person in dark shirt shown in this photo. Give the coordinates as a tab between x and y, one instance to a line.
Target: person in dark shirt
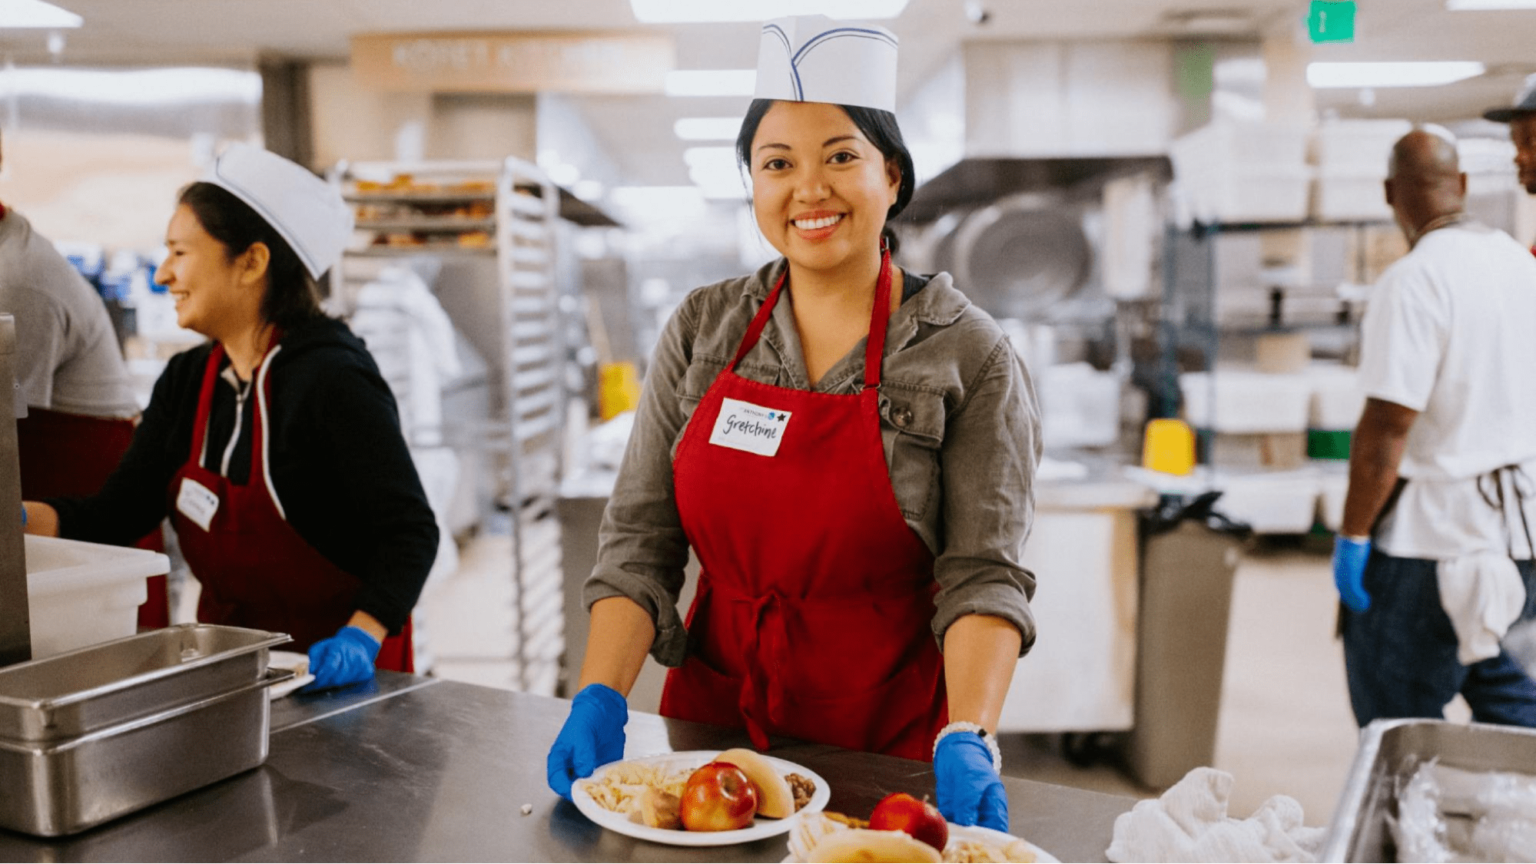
276	447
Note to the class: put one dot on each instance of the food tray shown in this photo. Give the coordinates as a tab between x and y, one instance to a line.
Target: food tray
51	789
1390	750
92	688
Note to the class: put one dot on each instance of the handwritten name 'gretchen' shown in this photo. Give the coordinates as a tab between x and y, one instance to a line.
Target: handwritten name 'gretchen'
750	427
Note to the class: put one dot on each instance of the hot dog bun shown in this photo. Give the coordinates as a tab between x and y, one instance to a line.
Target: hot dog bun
774	798
862	844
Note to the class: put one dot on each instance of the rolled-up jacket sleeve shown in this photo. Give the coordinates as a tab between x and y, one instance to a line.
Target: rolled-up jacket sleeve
641	546
987	469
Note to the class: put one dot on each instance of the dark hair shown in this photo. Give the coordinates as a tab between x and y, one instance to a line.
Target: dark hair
878	126
292	296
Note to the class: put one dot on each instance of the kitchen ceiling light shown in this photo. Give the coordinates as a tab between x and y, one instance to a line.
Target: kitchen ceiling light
708	11
711	82
707	128
1488	5
36	13
1420	74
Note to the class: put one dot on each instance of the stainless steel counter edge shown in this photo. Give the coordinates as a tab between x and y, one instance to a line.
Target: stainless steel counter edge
412	769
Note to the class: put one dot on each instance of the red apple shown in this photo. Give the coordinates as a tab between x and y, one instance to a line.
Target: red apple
718	797
902	812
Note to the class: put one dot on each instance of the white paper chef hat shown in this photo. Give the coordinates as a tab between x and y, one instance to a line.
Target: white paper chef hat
812	58
306	211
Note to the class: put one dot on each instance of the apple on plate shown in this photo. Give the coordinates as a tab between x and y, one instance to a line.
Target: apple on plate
919	819
718	797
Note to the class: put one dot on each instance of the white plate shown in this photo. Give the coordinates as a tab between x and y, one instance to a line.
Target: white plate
689	759
977	834
291	661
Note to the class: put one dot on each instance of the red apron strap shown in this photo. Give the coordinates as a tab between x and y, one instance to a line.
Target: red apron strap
879	319
759	321
205	403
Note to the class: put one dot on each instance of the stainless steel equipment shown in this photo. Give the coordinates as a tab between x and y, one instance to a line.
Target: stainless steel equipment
1022	255
55	788
15	621
1390	751
83	691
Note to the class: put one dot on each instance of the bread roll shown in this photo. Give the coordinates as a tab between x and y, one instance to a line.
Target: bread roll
774	798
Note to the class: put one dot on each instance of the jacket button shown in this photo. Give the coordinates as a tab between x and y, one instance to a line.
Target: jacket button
902	417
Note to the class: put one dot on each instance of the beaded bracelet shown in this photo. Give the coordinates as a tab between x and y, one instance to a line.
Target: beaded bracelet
986	738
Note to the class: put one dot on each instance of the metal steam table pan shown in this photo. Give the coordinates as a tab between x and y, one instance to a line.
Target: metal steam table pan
1390	751
72	694
55	788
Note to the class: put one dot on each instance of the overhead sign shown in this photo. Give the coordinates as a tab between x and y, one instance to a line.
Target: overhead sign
513	62
1331	21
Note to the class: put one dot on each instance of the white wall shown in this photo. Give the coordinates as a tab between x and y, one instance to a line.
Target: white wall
359	123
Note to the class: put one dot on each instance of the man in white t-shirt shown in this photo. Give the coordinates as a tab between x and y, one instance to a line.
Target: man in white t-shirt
1443	461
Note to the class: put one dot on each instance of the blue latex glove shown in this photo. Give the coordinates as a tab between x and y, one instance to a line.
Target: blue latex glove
593	735
346	658
1349	557
970	792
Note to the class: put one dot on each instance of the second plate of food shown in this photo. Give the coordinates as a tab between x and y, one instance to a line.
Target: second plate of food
610	797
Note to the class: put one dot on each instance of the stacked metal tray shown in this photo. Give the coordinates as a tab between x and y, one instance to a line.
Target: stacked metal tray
1390	751
94	734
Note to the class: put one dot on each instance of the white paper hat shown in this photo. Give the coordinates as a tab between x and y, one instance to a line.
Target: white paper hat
812	58
306	211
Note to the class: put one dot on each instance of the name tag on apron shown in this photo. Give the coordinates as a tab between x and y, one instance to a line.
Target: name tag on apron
753	428
197	502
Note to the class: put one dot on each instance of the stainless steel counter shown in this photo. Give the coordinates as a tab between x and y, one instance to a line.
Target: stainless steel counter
411	769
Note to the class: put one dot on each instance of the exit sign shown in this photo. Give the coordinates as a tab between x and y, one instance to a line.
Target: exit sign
1331	21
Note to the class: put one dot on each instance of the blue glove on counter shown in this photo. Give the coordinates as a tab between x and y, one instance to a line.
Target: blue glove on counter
970	792
593	735
1349	557
346	658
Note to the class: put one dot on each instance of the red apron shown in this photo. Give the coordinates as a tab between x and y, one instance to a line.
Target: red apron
255	569
70	455
814	610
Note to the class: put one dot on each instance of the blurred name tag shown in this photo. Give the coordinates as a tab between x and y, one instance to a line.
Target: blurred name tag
197	502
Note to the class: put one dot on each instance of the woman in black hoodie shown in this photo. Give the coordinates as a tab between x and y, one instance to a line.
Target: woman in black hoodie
276	447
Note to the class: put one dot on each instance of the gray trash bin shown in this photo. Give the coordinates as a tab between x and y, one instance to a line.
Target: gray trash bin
1189	556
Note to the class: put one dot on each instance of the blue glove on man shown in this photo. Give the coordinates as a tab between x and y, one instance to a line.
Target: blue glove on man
593	735
970	792
346	658
1349	557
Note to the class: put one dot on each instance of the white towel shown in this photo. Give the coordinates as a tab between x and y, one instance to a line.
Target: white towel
1190	823
1482	593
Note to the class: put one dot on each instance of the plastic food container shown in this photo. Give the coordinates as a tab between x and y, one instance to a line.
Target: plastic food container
1337	400
1358	146
1246	401
83	593
1390	751
1275	502
1334	482
1349	197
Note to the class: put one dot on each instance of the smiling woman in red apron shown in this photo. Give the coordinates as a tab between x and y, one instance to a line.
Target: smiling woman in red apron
276	448
849	450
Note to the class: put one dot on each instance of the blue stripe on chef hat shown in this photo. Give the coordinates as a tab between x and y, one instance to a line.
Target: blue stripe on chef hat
853	65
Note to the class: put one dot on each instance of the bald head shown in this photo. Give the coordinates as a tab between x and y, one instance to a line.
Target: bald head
1424	179
1424	153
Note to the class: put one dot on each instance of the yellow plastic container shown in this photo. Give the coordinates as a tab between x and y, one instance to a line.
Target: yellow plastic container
1168	446
618	389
